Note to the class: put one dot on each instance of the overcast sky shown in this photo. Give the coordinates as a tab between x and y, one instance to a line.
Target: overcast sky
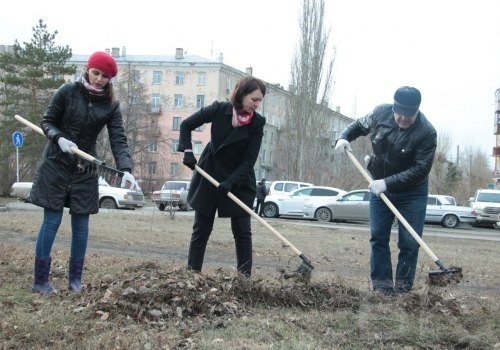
450	50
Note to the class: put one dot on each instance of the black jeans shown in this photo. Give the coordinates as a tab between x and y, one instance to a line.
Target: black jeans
202	228
259	207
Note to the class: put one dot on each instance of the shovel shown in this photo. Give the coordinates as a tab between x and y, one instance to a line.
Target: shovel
439	276
306	267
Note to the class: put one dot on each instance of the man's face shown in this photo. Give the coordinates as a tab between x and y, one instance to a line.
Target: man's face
405	121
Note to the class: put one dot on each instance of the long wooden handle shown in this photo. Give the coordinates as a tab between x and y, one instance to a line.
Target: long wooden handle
75	150
393	208
248	210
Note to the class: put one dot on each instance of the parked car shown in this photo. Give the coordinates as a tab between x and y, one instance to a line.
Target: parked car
173	193
355	206
292	203
284	187
351	206
109	197
440	209
486	206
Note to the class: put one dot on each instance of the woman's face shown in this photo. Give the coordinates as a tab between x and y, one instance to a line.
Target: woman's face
97	78
252	101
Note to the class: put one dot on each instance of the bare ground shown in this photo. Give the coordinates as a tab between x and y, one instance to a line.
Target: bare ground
135	269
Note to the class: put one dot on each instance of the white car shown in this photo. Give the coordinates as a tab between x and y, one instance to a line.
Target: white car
291	204
109	197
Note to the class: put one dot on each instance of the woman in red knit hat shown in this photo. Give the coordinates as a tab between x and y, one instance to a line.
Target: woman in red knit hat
75	117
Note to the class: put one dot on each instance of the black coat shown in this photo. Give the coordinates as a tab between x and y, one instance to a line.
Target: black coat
261	190
78	117
402	157
230	155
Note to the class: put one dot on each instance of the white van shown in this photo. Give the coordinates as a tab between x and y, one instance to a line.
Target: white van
284	187
486	206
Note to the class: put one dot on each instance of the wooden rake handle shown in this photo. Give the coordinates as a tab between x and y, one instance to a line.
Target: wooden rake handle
248	210
75	150
393	208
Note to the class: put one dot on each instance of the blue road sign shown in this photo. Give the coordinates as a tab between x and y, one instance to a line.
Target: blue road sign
17	139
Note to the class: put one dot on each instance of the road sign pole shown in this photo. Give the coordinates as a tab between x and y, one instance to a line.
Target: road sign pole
17	164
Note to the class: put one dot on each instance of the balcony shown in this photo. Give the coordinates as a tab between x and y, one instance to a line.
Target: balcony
496	151
155	109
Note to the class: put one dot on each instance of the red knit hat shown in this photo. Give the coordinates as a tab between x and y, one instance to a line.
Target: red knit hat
104	62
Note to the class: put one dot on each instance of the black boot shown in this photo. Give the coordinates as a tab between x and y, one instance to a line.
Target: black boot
41	282
75	274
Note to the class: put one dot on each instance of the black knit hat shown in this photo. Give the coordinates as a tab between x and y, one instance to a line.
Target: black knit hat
406	101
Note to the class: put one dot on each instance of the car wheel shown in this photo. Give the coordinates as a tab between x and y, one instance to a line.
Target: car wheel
450	221
323	214
271	210
161	207
108	203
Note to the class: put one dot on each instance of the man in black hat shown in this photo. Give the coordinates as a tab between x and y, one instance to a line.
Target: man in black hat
403	146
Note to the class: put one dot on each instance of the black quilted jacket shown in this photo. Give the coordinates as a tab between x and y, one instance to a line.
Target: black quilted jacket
79	117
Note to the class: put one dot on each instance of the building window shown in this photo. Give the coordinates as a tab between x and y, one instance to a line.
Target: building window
178	100
197	147
176	123
202	78
179	78
153	146
152	168
228	85
174	146
157	77
136	76
135	98
200	101
174	169
155	103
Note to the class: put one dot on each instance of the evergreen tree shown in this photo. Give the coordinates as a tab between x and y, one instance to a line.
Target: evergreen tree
30	73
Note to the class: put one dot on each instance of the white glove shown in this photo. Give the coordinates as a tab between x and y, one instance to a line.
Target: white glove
377	187
66	145
342	145
134	186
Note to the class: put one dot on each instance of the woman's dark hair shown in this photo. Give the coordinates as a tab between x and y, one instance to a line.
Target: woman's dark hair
245	86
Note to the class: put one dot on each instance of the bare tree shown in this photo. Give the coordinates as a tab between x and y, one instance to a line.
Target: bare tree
305	137
476	173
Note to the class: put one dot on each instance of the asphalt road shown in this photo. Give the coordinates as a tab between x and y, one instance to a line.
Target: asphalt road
463	231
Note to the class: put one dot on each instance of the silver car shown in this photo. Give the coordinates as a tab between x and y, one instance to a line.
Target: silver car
355	206
352	206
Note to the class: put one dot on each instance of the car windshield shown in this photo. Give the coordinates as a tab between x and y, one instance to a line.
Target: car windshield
176	186
489	197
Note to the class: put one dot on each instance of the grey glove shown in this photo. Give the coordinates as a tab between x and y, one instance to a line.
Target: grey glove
65	145
377	187
342	145
128	177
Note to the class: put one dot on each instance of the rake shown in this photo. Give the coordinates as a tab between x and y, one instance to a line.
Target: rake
440	276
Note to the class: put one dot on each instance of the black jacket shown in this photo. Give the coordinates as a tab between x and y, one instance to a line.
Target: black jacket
402	157
78	117
230	155
261	190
